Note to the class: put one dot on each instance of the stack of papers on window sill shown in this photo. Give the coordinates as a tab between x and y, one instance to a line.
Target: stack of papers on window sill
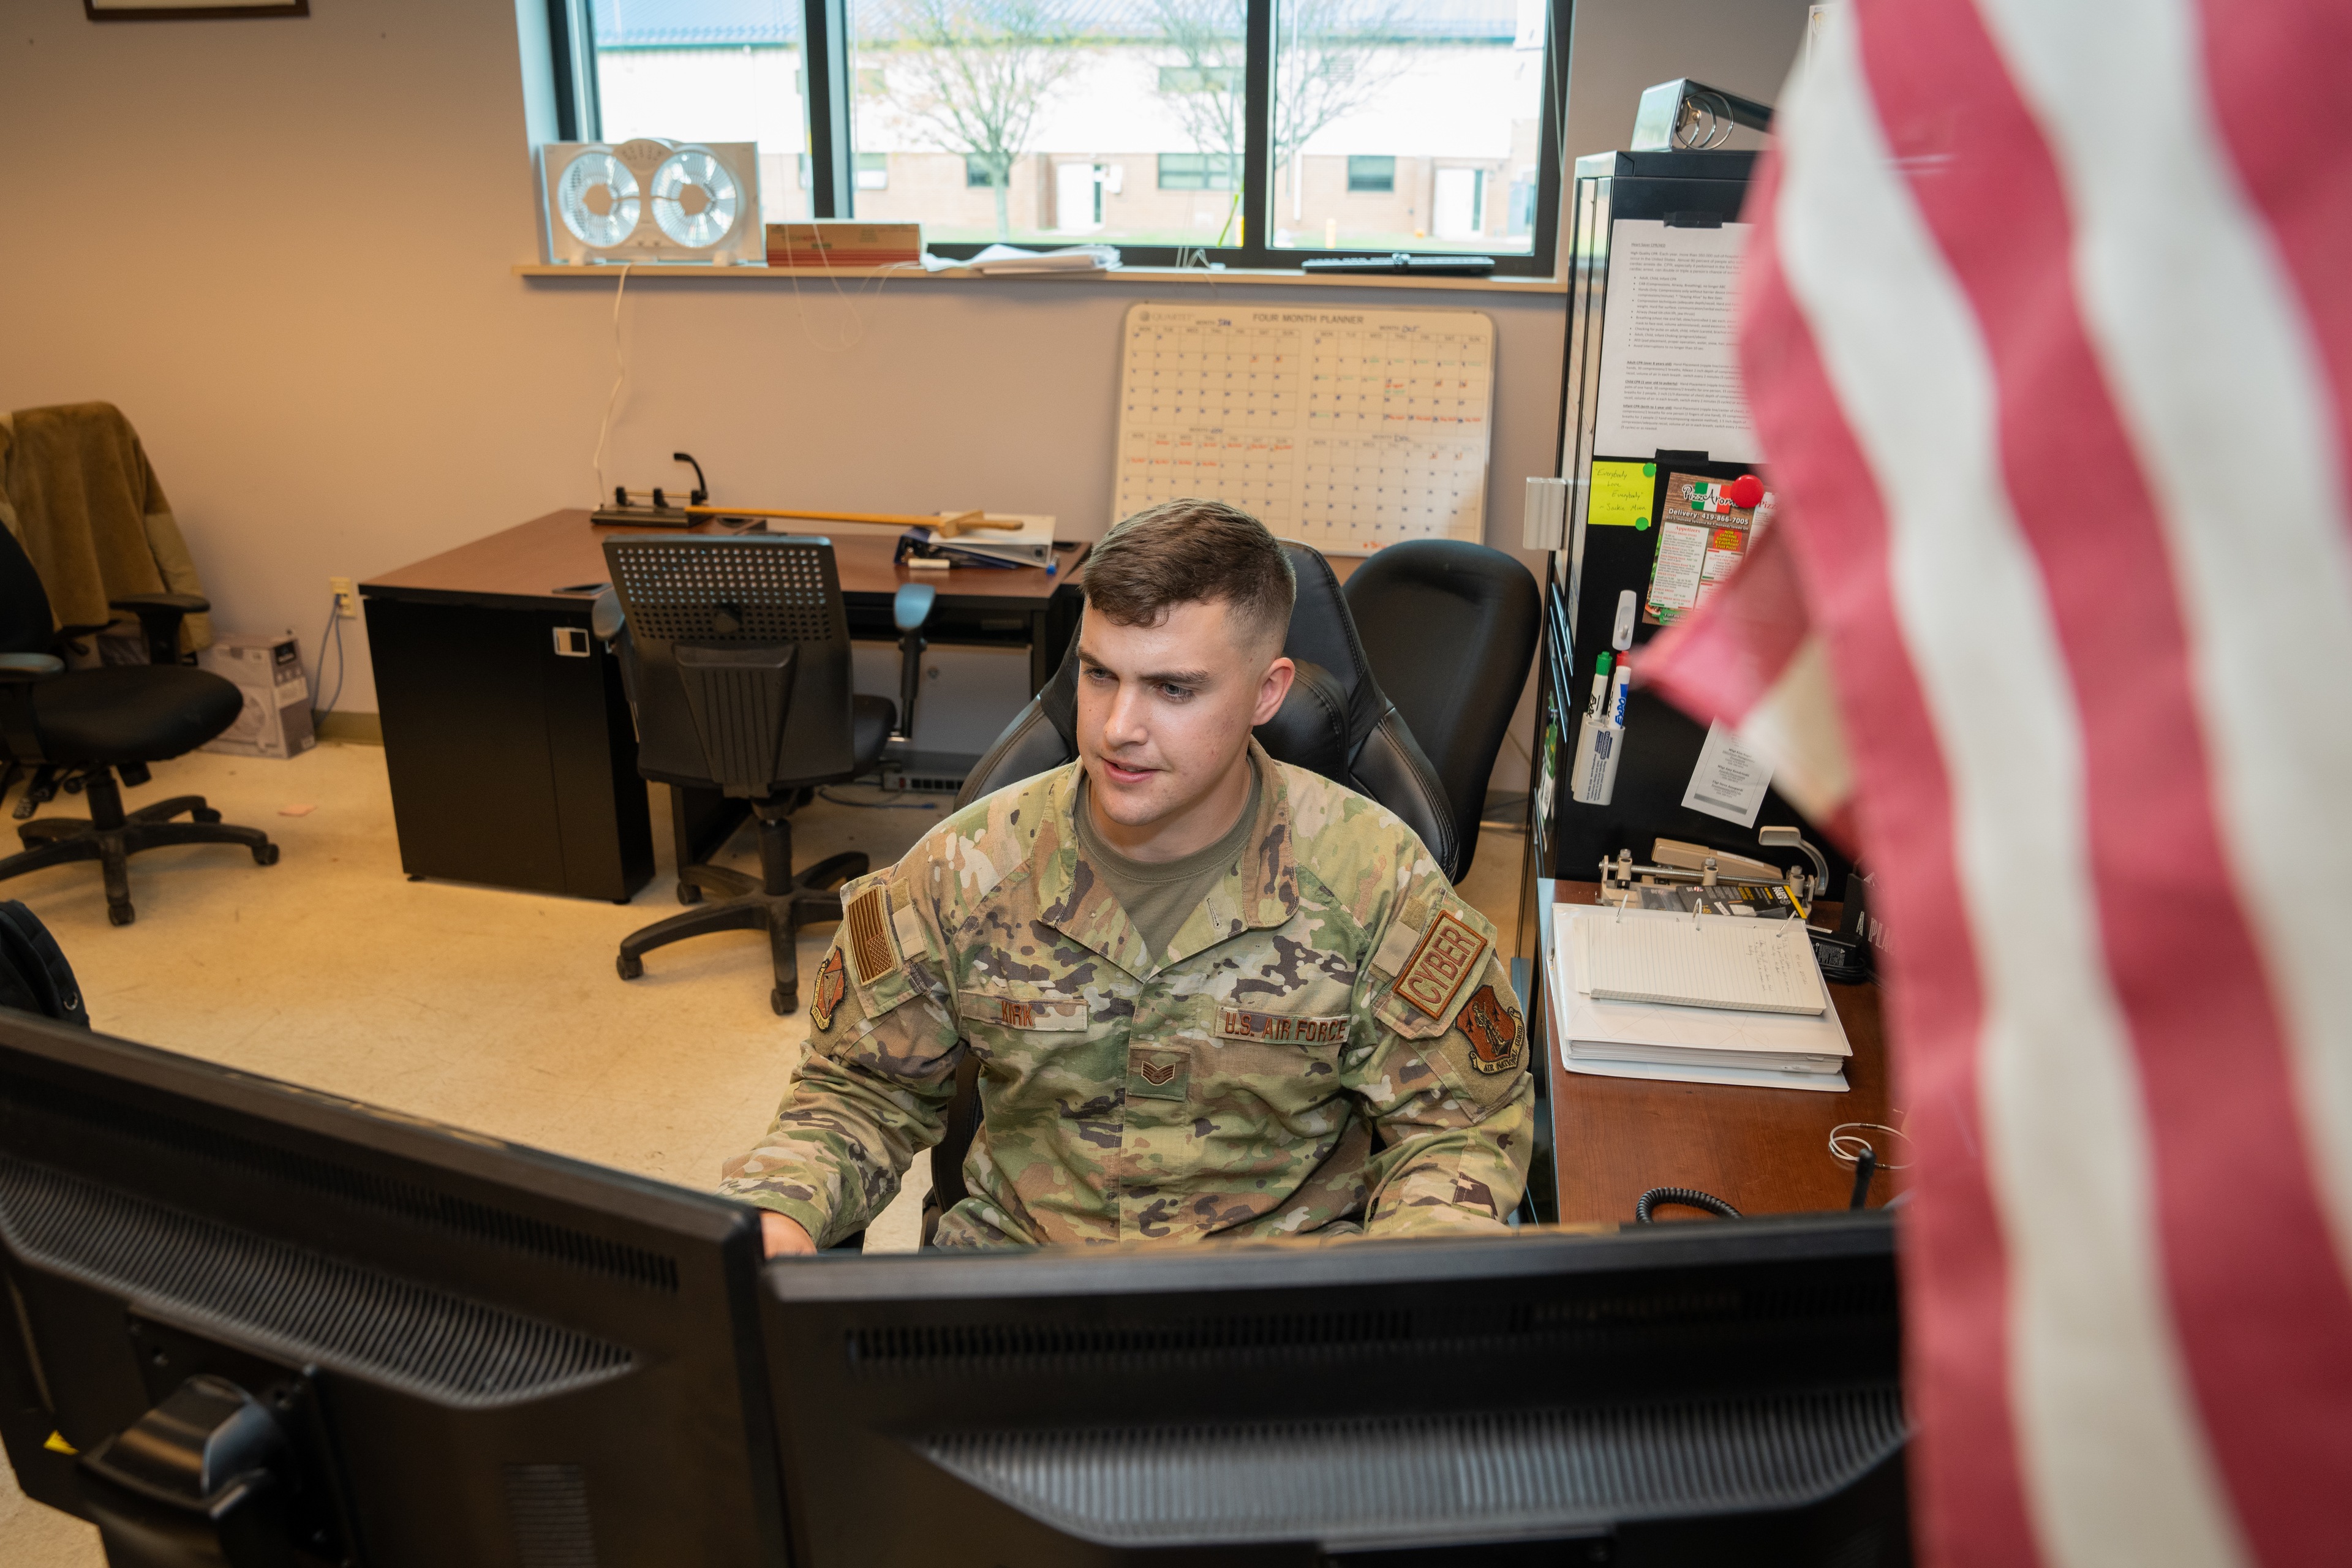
1745	1045
1002	259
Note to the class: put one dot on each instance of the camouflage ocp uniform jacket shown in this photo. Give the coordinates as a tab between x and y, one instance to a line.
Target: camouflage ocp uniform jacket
1330	1041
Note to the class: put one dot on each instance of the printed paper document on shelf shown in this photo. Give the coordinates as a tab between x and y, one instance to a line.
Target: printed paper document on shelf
1669	376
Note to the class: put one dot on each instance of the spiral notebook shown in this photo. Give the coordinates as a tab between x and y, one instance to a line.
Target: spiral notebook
1702	960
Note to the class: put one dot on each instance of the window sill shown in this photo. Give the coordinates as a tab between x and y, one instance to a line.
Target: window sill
1154	275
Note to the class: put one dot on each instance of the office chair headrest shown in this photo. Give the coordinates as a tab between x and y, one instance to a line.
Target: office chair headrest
1323	633
1310	728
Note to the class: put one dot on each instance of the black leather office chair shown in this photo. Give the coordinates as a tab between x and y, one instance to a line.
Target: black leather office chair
735	654
94	730
1452	634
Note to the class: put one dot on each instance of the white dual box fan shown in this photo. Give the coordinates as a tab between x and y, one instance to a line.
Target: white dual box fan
652	200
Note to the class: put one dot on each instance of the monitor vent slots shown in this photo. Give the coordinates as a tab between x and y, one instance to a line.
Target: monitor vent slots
1491	1473
303	1304
1839	1295
991	1348
96	1122
547	1506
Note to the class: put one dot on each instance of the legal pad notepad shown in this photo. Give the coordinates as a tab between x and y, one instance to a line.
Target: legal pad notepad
1753	965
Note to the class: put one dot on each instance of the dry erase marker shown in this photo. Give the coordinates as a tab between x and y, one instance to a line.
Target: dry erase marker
1596	715
1607	756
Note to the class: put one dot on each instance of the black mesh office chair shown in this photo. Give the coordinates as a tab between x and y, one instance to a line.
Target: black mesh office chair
1453	635
735	653
94	730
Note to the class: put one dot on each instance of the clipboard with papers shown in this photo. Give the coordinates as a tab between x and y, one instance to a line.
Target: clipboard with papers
1748	1045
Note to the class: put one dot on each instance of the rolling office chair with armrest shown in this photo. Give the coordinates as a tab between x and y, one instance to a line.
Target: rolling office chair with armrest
1456	634
97	730
1335	721
735	655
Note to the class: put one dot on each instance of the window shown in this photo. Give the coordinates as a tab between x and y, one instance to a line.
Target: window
704	71
1370	175
1374	125
1200	171
1199	78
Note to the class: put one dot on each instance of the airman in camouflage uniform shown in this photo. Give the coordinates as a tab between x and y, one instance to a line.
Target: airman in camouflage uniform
1330	1043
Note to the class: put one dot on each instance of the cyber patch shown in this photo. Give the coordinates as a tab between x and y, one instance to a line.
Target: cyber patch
1493	1030
831	986
1448	955
868	920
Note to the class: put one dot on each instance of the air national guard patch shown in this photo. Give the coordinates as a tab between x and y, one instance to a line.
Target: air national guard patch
1493	1030
1448	955
831	986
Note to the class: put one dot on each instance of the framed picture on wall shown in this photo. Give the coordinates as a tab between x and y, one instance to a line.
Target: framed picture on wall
187	10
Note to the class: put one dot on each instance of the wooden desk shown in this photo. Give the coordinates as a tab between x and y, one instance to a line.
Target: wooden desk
522	567
1763	1151
507	734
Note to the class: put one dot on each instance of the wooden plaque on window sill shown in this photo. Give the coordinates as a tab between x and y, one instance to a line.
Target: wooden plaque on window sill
194	11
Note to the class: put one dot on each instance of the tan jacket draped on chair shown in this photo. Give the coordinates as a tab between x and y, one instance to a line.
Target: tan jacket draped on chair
77	490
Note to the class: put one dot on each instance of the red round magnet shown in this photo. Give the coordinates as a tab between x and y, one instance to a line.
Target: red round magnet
1745	491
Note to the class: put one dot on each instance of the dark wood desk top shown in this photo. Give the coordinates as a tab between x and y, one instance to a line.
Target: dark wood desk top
1763	1151
531	560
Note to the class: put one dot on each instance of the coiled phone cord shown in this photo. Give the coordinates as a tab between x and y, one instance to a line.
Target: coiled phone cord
1687	1197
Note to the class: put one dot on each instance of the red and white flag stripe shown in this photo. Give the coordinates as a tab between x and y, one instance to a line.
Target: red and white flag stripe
2049	335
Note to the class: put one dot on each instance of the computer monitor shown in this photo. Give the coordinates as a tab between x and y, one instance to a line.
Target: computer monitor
247	1322
1686	1393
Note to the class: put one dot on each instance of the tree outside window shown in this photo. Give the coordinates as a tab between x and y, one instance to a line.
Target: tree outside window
976	73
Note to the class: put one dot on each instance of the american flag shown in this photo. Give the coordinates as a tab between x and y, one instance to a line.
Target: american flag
2047	331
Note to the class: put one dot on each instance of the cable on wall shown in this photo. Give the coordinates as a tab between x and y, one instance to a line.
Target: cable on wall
620	375
335	625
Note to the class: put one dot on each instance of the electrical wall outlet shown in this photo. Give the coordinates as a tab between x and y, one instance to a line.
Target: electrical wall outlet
347	598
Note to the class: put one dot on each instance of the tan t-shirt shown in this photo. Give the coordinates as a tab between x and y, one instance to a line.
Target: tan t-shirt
1158	896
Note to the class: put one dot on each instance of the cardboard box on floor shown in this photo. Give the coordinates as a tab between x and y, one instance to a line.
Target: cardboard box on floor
268	668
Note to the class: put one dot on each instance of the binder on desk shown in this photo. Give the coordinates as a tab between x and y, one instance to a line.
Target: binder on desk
1701	960
1741	1047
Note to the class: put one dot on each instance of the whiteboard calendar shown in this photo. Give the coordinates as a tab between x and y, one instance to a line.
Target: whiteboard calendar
1346	430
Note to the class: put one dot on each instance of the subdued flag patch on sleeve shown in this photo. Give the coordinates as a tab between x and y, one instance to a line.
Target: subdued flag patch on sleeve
872	952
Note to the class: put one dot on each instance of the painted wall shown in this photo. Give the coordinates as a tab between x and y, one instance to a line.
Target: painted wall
282	247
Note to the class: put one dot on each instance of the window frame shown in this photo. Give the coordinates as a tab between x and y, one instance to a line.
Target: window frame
830	156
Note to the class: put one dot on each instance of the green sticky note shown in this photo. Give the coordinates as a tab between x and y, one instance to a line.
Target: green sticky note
1621	495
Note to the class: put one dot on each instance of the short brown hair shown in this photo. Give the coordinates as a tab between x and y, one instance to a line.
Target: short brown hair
1181	551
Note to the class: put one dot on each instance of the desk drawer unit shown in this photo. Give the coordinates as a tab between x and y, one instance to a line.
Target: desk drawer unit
508	739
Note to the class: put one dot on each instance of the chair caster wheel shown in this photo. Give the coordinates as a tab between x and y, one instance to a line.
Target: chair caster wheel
786	1003
205	813
121	914
265	854
688	893
630	968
